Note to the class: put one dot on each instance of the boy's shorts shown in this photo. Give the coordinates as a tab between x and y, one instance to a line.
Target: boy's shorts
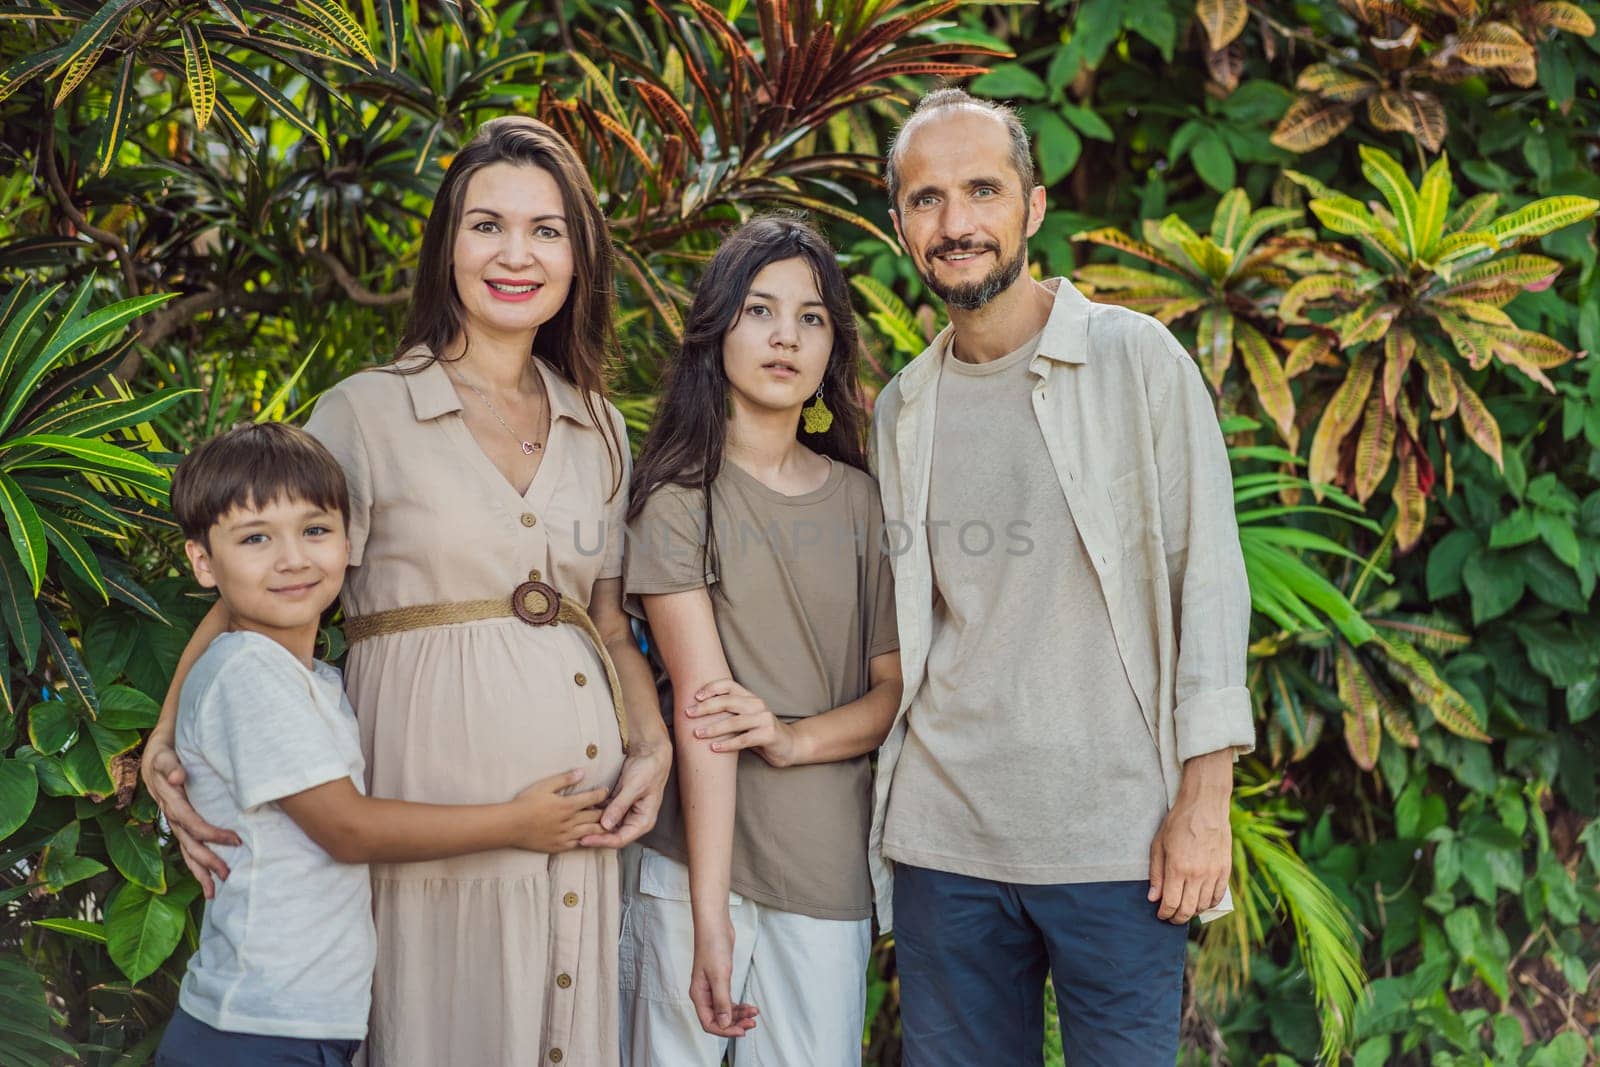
189	1042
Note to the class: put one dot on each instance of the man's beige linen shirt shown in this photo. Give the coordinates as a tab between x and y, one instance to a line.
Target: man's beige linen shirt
1134	442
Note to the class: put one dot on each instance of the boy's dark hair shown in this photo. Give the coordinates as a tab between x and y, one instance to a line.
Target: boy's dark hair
252	466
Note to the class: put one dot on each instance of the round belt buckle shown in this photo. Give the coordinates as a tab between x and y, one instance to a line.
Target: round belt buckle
535	603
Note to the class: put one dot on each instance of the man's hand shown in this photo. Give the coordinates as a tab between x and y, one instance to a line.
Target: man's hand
1192	853
733	718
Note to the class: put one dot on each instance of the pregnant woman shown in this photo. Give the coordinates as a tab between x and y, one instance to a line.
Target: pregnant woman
488	643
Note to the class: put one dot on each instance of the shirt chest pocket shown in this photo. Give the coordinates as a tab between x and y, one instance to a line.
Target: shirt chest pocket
1138	523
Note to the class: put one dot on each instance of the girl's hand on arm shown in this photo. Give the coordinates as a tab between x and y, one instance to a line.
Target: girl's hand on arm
730	718
164	776
635	801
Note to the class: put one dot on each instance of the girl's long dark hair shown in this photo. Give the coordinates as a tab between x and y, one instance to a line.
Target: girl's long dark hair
685	443
580	340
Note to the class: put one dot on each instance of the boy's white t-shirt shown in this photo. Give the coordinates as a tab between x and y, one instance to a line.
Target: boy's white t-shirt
287	945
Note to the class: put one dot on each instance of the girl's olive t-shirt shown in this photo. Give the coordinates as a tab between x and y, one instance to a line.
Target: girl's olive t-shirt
803	596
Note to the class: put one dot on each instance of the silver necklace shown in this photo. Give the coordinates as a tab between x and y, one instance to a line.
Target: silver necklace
528	447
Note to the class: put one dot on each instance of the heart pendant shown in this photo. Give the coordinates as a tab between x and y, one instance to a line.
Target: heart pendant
529	448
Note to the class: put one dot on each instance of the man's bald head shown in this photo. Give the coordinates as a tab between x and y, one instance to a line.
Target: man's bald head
945	100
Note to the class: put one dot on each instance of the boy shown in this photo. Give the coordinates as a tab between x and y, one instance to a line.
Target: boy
283	974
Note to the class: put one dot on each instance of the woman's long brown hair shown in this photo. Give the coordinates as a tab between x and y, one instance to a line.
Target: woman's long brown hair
580	340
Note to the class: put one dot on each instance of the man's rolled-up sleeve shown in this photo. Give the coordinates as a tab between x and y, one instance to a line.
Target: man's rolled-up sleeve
1205	566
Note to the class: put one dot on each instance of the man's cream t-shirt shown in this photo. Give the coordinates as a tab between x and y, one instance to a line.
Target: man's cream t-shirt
1026	758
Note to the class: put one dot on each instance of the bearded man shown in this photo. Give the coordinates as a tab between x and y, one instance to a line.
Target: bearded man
1054	795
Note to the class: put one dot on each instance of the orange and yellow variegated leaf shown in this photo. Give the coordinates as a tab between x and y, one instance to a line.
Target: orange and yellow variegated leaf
1311	123
1340	417
1366	323
1472	341
1176	232
343	26
1230	217
1395	724
199	74
1163	306
1214	342
1112	237
1522	74
1441	382
1315	186
1541	217
1331	83
1150	230
1390	179
1416	672
1308	351
1569	18
1212	261
1530	352
1474	310
1471	246
1474	212
1411	504
1260	223
1533	273
76	71
1398	347
1387	245
1314	289
1476	420
1432	632
1410	111
1112	276
1362	716
1408	414
1266	375
1223	20
1493	44
1374	446
1433	204
1344	214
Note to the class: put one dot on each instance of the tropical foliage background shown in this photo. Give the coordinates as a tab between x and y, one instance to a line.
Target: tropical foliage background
1372	221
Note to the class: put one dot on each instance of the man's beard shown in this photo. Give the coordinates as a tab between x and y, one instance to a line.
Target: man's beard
974	295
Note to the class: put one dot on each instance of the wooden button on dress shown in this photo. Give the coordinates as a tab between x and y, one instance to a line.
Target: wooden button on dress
592	751
580	679
556	1055
530	519
564	981
570	900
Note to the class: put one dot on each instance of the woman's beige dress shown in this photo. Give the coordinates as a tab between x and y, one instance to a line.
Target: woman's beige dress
504	957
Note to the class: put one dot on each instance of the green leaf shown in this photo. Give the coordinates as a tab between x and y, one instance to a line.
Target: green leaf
1088	122
1558	534
72	669
1445	562
1433	201
97	30
52	724
26	530
142	930
1493	587
125	708
1010	81
135	852
268	95
1213	162
85	770
80	928
19	789
114	126
1517	528
1059	148
1540	218
71	547
1564	1050
19	608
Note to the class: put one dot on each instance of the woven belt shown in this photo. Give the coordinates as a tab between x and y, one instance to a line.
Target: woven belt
535	603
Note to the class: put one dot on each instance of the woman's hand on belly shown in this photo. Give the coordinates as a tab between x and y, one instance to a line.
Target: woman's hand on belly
636	799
